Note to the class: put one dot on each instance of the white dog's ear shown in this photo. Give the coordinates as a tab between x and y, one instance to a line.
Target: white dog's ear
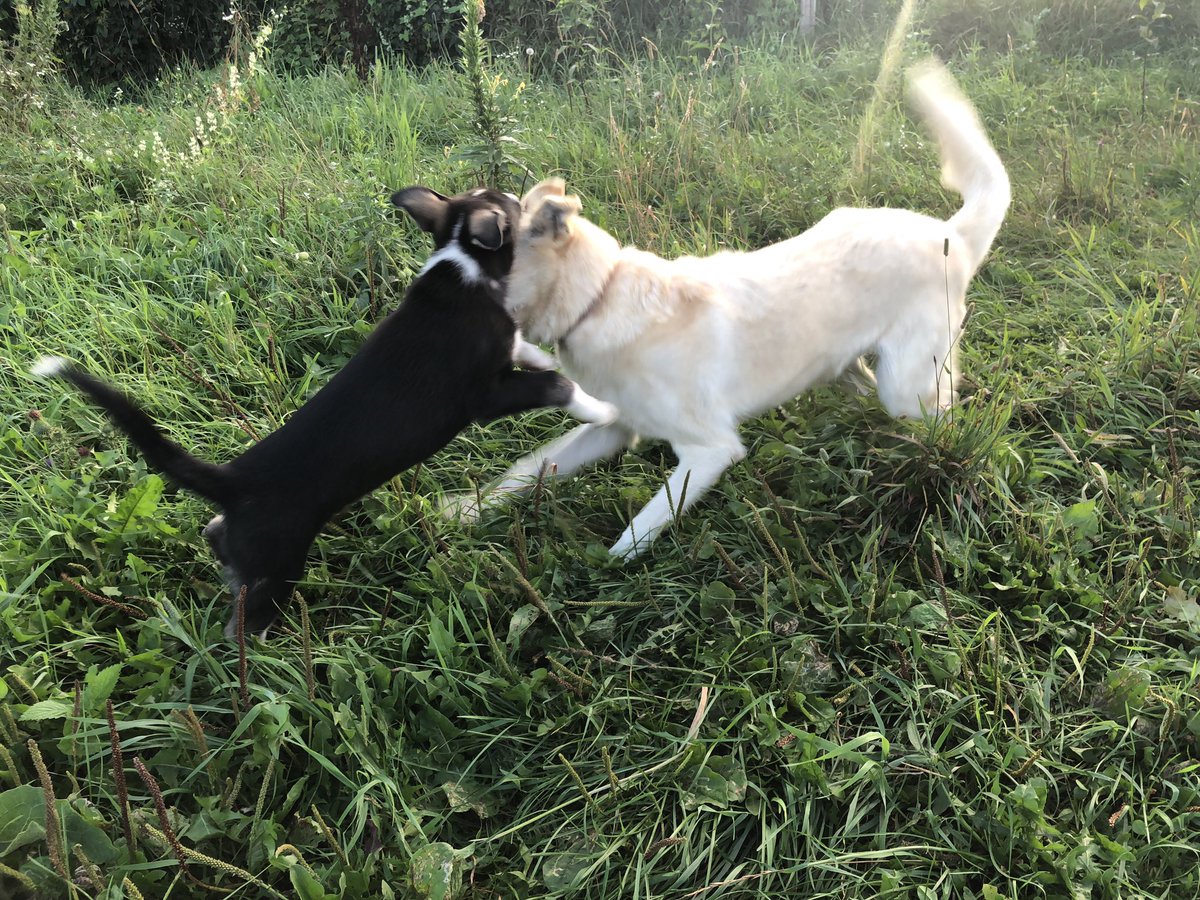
553	218
550	187
487	228
427	207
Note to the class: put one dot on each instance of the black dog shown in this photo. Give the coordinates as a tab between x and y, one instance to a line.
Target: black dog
442	360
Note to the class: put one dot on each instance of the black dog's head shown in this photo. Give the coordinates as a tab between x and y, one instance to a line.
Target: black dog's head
481	222
262	555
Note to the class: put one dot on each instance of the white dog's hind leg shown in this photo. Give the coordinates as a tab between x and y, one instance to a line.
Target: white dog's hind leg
569	453
698	470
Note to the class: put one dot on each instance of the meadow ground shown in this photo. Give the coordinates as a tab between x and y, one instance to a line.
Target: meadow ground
879	661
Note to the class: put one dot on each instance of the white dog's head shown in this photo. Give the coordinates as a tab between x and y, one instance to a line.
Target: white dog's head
560	264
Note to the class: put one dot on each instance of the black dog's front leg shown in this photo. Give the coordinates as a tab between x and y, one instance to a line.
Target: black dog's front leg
517	391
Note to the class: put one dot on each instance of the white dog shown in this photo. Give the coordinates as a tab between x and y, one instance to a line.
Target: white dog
688	348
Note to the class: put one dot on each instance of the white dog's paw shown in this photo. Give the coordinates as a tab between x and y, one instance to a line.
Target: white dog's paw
534	358
463	508
606	414
626	548
587	408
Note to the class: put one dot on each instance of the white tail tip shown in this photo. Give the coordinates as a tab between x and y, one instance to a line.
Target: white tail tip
48	366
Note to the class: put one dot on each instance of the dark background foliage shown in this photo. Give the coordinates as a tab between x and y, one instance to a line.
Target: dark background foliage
114	40
110	41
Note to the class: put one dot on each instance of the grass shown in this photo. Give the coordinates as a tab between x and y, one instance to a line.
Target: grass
880	660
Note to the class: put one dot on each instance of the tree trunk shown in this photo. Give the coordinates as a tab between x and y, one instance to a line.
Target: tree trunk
363	39
808	16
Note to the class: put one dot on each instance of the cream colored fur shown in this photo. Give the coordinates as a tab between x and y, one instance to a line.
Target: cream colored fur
688	348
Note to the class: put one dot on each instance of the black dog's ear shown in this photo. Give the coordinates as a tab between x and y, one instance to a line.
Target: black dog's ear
488	228
427	207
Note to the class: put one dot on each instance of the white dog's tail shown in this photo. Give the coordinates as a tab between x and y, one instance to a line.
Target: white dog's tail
970	165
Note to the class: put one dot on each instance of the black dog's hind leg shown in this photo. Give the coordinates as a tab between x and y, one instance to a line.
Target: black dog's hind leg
517	391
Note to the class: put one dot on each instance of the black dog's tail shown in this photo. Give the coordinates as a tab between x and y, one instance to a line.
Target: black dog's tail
204	478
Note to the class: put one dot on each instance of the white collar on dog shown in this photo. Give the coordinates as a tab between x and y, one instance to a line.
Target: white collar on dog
591	308
453	252
467	267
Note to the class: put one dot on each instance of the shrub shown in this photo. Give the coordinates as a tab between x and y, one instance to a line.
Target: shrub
321	32
28	62
115	40
1094	29
107	41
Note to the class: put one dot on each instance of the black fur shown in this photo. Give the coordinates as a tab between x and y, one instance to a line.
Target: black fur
441	361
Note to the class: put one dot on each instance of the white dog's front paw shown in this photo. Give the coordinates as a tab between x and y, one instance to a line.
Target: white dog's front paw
587	408
606	414
532	357
463	508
